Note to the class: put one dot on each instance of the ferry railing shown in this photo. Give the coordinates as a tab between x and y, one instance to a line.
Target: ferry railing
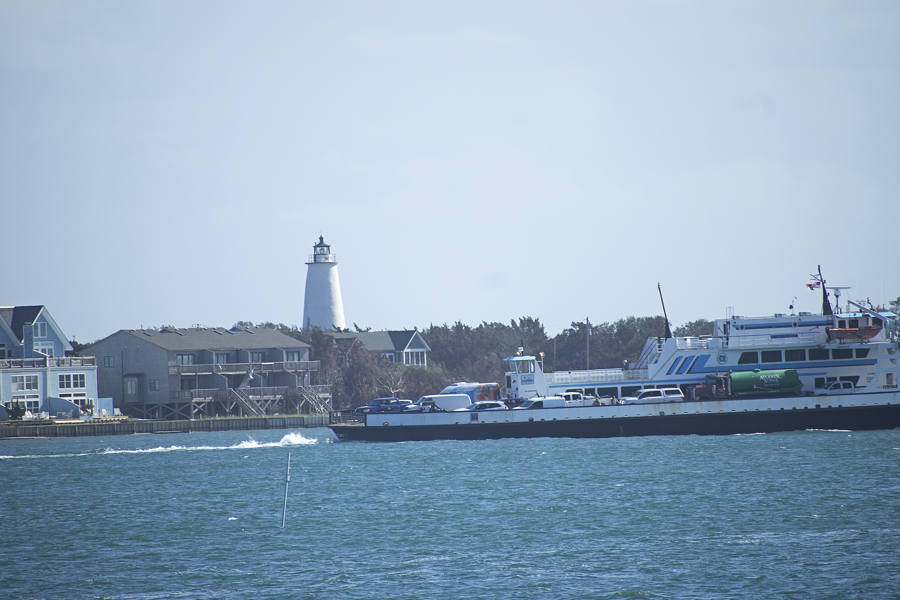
207	369
751	341
346	416
595	376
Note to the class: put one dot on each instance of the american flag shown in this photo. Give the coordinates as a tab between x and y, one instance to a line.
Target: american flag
814	286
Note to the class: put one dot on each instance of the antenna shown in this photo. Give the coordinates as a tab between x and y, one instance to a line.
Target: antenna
792	305
837	295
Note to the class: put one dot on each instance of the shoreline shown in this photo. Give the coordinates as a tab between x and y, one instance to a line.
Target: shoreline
133	427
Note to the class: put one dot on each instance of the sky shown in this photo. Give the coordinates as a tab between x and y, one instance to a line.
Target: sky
173	163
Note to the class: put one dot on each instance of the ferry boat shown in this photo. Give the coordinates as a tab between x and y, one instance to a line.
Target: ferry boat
858	349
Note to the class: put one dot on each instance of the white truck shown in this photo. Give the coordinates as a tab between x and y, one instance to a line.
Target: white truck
440	402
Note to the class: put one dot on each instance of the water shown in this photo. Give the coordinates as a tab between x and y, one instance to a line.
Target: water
811	514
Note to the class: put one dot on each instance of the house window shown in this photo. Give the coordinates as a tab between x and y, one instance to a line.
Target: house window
258	357
31	402
184	359
221	358
131	387
79	399
154	385
75	380
21	383
292	356
109	361
414	357
40	330
44	348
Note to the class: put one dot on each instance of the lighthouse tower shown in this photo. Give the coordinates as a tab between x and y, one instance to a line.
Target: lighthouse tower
322	306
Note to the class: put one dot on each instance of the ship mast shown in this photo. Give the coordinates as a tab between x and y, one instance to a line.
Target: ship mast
826	304
665	316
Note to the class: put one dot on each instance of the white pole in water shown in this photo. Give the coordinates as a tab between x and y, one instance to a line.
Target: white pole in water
287	480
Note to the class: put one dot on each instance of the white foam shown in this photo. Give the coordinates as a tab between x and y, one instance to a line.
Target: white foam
291	439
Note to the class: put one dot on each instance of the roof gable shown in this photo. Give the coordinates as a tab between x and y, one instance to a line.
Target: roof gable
14	319
385	341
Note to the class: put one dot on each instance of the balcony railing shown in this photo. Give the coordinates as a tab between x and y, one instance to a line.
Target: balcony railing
226	368
44	363
252	392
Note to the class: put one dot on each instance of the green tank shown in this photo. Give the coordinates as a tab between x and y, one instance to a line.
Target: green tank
774	381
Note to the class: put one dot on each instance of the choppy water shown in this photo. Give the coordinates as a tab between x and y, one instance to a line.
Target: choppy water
812	514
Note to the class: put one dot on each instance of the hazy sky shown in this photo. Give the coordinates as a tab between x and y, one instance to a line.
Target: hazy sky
173	163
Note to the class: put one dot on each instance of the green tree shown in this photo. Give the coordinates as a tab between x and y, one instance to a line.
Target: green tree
16	411
610	343
895	306
421	381
695	328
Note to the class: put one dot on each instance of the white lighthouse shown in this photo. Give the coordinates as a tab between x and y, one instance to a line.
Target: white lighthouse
322	305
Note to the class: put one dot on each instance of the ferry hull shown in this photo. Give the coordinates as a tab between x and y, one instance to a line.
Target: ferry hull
855	418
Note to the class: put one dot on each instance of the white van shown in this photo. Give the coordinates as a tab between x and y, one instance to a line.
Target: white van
440	402
543	402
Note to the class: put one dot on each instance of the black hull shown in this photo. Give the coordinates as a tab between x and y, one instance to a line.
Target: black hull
858	418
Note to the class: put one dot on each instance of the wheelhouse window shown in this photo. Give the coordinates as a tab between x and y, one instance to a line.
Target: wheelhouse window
818	354
795	355
841	353
748	358
862	352
771	356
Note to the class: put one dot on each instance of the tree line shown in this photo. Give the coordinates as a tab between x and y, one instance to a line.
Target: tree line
460	352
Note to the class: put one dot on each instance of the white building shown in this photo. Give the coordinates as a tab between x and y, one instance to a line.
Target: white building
322	305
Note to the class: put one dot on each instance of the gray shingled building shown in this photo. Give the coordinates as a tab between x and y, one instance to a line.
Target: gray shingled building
174	373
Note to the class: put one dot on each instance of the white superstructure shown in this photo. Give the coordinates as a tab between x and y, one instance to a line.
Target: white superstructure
322	304
860	347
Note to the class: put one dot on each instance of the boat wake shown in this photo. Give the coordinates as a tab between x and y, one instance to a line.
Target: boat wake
291	439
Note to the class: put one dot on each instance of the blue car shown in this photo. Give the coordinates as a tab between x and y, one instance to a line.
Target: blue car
383	405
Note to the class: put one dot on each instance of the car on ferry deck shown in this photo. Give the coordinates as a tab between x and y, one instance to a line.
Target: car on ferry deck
486	405
655	395
383	405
